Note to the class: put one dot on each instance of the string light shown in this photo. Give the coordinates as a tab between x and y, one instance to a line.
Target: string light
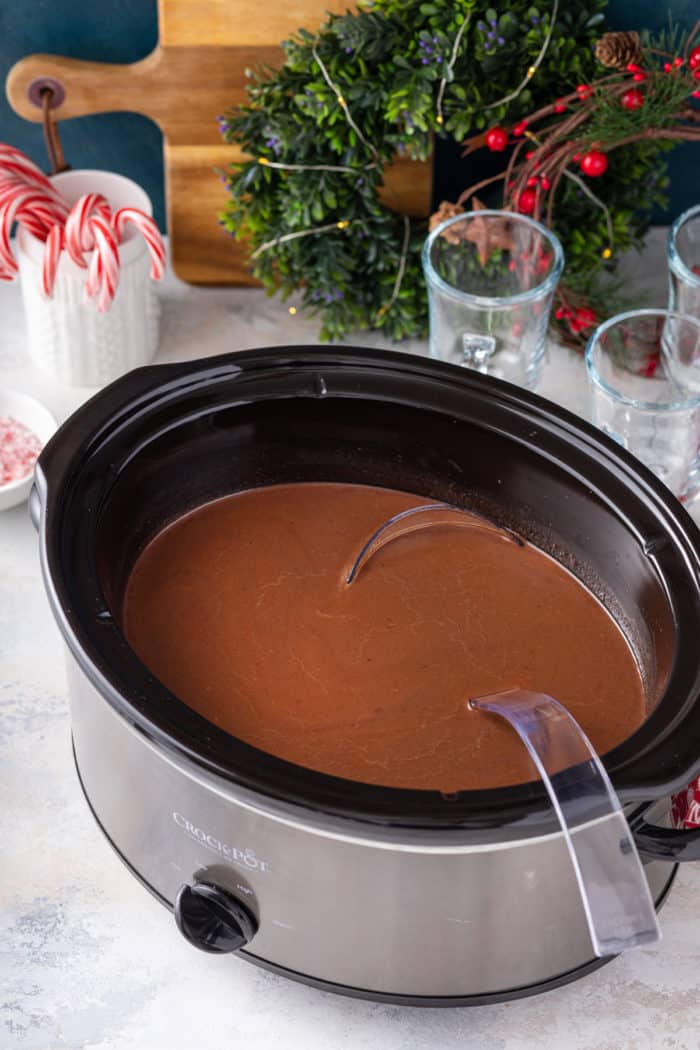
401	270
342	225
266	162
535	65
607	252
342	103
344	168
450	65
292	310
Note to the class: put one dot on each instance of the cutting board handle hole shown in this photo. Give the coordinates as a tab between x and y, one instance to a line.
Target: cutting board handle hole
41	84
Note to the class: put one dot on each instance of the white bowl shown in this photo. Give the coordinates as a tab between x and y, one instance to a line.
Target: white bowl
34	415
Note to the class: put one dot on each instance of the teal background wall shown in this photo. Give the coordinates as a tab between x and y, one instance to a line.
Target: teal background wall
125	30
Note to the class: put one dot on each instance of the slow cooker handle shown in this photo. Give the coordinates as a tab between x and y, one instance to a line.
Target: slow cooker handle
672	844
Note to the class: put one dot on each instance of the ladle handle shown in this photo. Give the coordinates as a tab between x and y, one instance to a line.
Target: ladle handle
614	891
425	516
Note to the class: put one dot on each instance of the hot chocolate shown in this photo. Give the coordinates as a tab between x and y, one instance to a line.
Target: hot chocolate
242	609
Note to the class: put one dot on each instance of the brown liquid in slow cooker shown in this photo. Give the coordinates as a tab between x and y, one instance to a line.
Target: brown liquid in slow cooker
240	608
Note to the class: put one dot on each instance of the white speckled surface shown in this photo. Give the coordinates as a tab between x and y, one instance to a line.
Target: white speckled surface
89	960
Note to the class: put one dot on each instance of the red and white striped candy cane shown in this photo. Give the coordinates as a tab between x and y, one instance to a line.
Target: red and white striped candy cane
108	251
9	212
15	162
50	259
36	211
94	276
79	235
32	223
151	234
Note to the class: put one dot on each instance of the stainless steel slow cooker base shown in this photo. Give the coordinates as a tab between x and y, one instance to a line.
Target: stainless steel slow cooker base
402	915
484	999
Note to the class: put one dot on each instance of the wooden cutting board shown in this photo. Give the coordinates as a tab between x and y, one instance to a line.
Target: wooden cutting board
196	72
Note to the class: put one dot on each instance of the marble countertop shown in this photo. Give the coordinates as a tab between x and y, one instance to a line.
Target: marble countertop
89	961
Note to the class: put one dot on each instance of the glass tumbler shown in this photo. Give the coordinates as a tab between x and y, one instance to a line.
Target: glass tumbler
491	277
636	399
684	263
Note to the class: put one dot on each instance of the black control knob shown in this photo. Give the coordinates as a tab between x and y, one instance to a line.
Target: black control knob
212	919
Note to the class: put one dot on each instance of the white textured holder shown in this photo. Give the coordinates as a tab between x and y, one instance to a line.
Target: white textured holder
66	336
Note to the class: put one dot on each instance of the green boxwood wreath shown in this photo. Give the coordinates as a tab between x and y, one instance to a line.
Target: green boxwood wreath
389	61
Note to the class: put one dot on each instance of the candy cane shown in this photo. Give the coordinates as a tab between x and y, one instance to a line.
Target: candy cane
79	235
8	213
106	246
50	259
13	160
151	234
36	212
33	223
94	277
15	164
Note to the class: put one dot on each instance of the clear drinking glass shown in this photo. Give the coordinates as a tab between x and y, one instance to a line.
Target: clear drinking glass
684	263
636	399
491	276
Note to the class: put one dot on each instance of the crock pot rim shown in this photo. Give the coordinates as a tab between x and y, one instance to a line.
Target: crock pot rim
635	778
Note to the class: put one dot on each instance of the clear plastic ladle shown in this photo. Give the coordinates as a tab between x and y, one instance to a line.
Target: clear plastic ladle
428	515
615	894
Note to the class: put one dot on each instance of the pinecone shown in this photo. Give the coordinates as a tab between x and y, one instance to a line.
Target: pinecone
617	50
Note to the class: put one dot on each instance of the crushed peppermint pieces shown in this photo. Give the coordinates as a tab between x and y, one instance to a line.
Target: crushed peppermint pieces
19	450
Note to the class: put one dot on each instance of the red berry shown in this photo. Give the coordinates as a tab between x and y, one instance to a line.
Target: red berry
632	99
650	368
667	67
594	163
633	68
584	91
530	154
512	265
695	94
694	58
559	313
585	317
559	106
497	139
639	77
532	181
517	329
696	74
527	202
519	129
678	62
545	183
576	158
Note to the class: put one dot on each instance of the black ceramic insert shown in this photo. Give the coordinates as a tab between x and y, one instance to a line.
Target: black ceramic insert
165	439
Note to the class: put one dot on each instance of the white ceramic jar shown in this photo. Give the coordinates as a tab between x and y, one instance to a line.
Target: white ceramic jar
66	336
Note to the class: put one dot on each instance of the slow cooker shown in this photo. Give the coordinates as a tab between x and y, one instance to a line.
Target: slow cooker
393	894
